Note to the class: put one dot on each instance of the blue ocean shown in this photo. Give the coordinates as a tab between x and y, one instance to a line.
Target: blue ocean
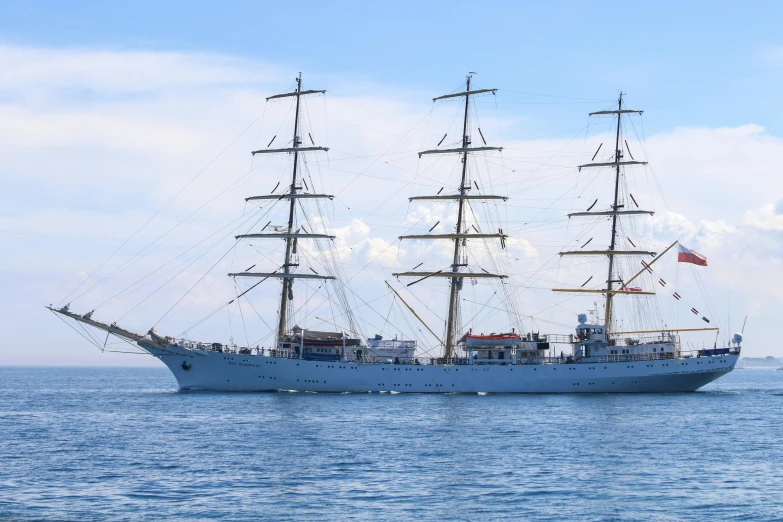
125	444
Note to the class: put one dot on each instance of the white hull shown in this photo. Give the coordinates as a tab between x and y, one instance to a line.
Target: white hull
218	371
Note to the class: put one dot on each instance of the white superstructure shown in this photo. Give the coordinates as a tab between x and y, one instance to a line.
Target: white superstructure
391	350
644	370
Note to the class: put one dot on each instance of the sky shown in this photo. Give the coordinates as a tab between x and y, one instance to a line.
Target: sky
107	111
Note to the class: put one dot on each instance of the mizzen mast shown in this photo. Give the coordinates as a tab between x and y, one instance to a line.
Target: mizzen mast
618	157
617	210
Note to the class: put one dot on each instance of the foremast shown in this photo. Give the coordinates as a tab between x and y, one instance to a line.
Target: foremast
291	235
287	293
461	235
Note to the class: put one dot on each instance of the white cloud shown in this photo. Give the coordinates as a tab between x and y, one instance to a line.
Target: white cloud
36	71
768	217
384	252
716	173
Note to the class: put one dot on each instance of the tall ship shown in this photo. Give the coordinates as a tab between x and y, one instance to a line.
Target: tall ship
598	357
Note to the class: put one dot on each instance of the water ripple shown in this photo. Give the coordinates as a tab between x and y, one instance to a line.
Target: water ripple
124	444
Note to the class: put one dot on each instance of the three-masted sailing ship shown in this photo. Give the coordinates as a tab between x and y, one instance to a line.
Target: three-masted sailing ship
601	359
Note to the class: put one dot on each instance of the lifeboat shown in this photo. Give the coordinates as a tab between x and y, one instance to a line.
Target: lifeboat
493	339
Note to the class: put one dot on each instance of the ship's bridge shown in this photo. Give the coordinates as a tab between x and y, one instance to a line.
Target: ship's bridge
591	333
592	341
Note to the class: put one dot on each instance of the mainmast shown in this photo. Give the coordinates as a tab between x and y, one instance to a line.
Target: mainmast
615	212
291	236
618	154
456	283
461	232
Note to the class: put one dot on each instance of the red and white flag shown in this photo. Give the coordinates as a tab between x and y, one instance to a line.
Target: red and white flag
685	255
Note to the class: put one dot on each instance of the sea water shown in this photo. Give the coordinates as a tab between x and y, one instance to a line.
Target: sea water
125	444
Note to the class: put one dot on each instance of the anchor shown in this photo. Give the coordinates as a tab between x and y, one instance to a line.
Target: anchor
186	366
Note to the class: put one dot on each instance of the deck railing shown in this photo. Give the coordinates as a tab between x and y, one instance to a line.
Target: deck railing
537	360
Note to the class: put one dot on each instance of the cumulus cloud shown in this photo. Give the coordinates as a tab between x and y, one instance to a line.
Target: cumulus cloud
767	217
707	171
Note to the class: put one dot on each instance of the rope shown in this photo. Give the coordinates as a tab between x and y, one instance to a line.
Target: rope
192	180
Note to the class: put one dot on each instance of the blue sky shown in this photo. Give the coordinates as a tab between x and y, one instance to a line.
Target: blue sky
700	63
108	109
